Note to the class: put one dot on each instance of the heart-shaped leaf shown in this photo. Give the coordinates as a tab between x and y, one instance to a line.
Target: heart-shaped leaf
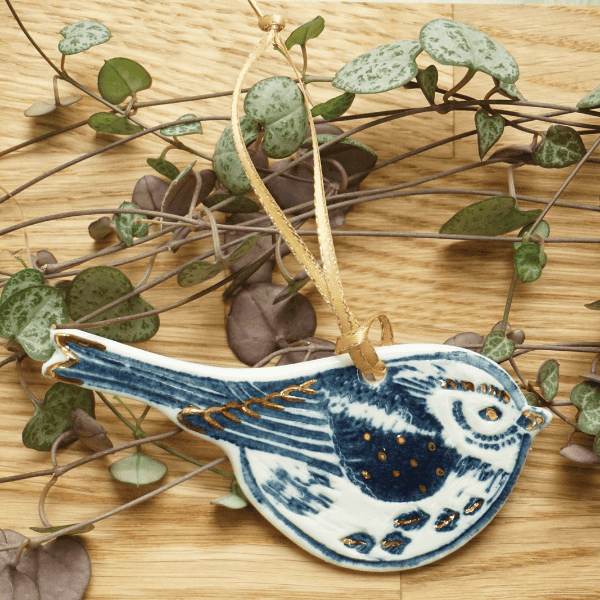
89	431
510	90
103	122
305	32
529	260
492	216
96	287
26	318
562	147
532	398
593	305
597	444
489	130
427	80
278	105
237	204
43	107
334	108
379	70
82	35
101	228
542	230
453	43
184	128
227	165
126	226
256	328
179	196
41	259
586	397
591	100
122	77
498	347
580	454
202	270
547	379
21	280
53	416
468	339
150	191
138	469
164	167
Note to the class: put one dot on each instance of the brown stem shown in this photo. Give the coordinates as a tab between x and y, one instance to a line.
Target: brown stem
24	385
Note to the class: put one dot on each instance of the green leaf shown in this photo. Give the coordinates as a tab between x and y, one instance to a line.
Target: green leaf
542	230
492	216
547	378
126	226
202	270
121	77
427	80
532	399
562	147
597	444
26	317
164	167
291	289
96	287
103	122
237	204
227	165
489	130
586	397
84	529
498	347
183	129
529	260
453	43
21	280
138	469
591	100
53	416
511	90
379	70
82	35
305	32
593	305
230	501
278	105
335	107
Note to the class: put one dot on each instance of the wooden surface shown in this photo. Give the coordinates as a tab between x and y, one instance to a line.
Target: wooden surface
545	542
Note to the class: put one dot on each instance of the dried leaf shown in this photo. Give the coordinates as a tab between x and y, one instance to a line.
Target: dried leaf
468	339
44	107
580	454
149	192
89	431
101	228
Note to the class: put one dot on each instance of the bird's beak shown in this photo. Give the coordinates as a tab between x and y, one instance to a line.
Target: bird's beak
537	417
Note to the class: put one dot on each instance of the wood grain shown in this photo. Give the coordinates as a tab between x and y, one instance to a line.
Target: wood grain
545	541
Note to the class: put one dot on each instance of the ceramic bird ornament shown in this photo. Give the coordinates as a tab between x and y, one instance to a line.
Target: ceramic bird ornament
371	476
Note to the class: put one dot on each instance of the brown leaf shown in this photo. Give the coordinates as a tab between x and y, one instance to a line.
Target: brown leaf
89	431
468	339
149	192
580	454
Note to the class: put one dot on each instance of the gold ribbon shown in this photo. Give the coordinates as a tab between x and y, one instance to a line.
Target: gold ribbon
327	279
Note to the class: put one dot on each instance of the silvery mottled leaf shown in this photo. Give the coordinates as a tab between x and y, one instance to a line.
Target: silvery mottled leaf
278	105
580	454
586	397
138	469
43	257
26	318
498	347
468	339
542	229
126	226
291	358
305	32
492	216
96	287
562	147
104	122
101	228
237	204
89	431
184	128
489	130
43	107
60	569
547	378
53	416
121	77
453	43
227	165
591	100
62	287
427	80
82	35
379	70
164	167
529	260
256	328
334	108
510	90
21	280
149	192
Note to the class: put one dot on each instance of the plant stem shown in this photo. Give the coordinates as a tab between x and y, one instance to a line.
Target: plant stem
509	299
186	99
24	385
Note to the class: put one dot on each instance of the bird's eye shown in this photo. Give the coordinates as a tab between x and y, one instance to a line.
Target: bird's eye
490	414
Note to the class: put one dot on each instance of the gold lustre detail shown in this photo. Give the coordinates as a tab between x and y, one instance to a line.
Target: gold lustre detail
382	456
401	440
367	436
440	472
413	463
468	385
351	542
395	473
491	413
431	446
366	474
446	521
422	489
473	507
391	544
401	522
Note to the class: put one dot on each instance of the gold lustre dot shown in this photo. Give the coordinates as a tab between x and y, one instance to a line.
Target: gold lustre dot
396	473
431	446
422	489
367	436
401	440
382	456
366	474
491	413
440	472
413	463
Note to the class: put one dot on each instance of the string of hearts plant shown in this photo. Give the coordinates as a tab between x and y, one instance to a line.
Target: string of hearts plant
180	206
